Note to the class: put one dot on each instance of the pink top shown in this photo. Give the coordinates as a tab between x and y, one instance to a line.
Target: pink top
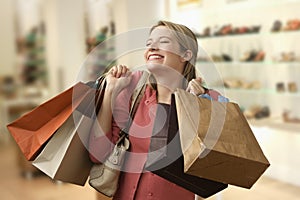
135	183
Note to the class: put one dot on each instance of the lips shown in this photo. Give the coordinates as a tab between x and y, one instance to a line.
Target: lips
155	57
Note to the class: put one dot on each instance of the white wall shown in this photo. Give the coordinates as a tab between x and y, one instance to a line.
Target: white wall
279	140
7	37
65	41
28	14
135	14
99	14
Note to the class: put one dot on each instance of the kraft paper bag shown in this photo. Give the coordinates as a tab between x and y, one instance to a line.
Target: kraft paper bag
65	157
32	130
170	164
217	141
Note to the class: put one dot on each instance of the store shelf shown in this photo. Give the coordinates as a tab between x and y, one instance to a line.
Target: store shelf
284	33
279	139
260	91
230	36
244	36
245	64
263	63
276	123
243	6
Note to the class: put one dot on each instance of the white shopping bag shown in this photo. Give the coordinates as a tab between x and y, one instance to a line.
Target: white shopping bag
65	157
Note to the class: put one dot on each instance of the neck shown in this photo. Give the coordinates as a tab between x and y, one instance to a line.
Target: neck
167	81
165	88
164	94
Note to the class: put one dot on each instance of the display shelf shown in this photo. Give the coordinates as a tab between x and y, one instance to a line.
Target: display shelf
272	132
275	122
230	36
259	63
237	63
284	33
265	34
260	91
244	6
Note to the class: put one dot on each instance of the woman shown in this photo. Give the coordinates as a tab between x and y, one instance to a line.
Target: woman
170	57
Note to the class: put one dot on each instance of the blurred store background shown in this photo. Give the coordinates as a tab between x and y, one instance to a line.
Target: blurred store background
249	52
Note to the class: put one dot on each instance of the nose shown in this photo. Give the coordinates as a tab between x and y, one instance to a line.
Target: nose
153	46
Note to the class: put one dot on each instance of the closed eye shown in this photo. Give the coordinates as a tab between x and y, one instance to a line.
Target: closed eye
164	40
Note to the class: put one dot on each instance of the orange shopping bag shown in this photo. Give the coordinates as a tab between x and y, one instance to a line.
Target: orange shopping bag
32	130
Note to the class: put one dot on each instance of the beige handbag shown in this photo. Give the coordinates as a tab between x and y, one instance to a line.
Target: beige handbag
104	177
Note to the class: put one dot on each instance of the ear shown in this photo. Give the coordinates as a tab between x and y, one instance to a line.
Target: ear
187	56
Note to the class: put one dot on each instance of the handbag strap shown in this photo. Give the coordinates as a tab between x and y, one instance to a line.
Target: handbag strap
99	85
135	100
138	92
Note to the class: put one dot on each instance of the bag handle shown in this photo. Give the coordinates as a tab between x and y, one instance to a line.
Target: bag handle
135	100
138	92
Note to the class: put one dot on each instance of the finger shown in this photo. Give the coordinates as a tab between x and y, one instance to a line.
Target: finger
113	71
128	74
124	70
119	71
199	79
188	89
194	85
197	82
196	88
128	77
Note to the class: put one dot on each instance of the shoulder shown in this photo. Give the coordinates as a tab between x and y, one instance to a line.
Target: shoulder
136	75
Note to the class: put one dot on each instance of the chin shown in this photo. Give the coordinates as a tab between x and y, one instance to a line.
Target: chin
163	70
154	67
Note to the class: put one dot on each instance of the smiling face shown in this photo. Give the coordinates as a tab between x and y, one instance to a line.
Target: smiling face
163	50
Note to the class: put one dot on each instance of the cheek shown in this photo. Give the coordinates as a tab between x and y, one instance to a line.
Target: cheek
173	57
171	49
145	54
175	61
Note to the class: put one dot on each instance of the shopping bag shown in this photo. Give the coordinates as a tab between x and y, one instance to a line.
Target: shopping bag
32	130
167	159
217	141
65	156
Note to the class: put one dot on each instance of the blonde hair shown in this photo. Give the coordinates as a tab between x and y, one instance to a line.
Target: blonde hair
188	41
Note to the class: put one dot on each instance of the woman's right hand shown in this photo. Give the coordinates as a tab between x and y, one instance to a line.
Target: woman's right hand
118	77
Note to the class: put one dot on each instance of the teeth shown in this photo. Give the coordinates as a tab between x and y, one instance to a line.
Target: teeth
155	57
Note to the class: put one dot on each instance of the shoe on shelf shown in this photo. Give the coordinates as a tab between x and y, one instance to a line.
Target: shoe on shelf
287	118
292	25
280	87
277	25
260	56
263	113
249	56
257	112
255	29
226	57
292	87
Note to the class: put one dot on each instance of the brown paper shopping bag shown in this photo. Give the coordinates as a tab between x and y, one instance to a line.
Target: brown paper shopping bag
217	141
166	160
65	156
32	130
